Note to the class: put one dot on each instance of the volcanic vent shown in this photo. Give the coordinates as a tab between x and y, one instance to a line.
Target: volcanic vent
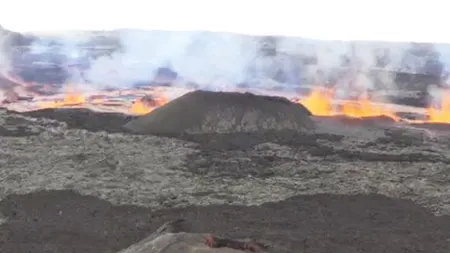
223	112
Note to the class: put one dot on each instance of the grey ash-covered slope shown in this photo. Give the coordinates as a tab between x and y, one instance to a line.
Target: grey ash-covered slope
223	112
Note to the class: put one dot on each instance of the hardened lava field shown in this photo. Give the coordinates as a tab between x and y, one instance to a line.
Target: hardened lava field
77	181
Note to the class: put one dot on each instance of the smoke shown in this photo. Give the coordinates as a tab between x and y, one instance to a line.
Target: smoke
221	61
225	61
211	60
215	61
5	60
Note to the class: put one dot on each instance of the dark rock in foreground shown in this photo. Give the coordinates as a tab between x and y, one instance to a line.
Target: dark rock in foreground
64	221
84	119
223	112
169	238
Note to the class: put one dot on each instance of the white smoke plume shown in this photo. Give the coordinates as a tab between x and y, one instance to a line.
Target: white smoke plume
222	61
208	59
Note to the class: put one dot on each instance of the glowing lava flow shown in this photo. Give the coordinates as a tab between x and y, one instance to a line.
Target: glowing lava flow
322	103
139	107
146	105
70	99
441	114
364	108
107	102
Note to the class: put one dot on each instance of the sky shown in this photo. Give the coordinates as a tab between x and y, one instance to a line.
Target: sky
388	20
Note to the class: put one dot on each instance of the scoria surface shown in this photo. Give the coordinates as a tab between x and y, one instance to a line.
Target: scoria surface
159	173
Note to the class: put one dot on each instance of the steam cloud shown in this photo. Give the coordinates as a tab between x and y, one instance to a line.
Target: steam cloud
5	62
208	59
222	61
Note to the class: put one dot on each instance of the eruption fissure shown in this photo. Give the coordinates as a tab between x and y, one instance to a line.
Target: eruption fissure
108	66
323	103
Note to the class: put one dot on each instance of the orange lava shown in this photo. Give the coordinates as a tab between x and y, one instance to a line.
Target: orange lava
140	106
71	99
320	103
144	106
364	108
440	114
323	103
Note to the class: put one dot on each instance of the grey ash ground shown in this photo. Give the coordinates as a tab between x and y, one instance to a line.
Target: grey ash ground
345	186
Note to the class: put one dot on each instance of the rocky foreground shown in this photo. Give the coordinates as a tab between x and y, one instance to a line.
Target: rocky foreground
346	186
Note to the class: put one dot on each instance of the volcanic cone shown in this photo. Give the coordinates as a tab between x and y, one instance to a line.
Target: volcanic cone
223	112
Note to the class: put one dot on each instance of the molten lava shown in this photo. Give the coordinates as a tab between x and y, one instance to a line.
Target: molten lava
71	99
106	101
364	108
139	107
440	114
147	104
323	103
19	95
319	103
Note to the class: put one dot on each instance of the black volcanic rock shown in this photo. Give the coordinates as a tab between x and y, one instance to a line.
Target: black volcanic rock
65	221
223	112
84	119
